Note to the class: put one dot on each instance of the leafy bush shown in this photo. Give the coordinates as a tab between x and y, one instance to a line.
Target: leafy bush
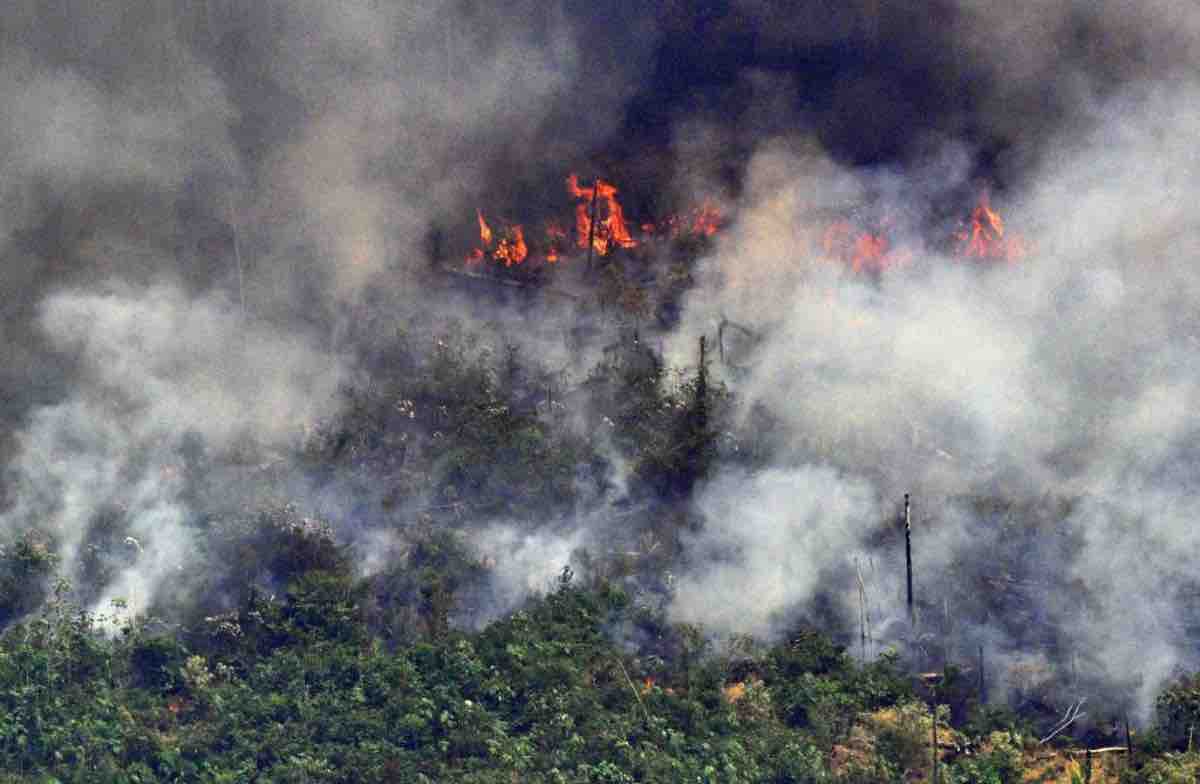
1000	763
1178	711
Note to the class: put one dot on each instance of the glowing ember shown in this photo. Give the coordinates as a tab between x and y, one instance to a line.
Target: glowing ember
511	248
985	238
702	221
556	239
706	220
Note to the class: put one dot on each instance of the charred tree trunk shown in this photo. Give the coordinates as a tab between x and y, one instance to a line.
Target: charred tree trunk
591	240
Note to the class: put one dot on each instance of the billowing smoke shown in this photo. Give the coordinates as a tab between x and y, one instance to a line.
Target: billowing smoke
767	540
1069	375
156	369
197	198
201	199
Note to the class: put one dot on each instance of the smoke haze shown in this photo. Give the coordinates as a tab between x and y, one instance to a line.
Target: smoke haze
200	201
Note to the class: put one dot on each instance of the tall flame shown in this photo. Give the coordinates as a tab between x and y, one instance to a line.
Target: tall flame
485	231
610	229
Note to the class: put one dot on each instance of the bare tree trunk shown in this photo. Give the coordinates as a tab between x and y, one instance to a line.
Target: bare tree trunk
864	619
592	221
908	557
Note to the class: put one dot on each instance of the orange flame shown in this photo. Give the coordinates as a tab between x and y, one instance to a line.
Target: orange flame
512	249
609	230
485	231
985	237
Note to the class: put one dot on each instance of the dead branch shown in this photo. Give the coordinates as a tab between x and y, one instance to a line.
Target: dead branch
1069	718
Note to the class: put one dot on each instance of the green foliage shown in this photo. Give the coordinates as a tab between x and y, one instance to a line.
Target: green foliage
1171	768
155	662
459	424
1178	711
26	566
1000	763
983	720
905	737
543	695
818	687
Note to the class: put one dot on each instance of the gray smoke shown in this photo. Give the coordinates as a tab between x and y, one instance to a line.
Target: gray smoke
1071	375
199	198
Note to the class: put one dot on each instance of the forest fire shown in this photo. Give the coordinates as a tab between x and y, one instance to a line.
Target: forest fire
608	230
510	250
601	224
599	221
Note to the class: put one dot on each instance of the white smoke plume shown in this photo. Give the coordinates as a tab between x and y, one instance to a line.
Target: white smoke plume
1069	374
155	366
768	539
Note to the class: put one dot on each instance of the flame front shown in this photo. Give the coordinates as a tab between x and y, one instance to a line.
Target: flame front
599	217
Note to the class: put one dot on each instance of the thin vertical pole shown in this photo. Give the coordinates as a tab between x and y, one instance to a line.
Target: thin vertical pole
908	555
862	609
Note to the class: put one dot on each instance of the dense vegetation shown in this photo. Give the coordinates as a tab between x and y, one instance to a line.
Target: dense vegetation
274	656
